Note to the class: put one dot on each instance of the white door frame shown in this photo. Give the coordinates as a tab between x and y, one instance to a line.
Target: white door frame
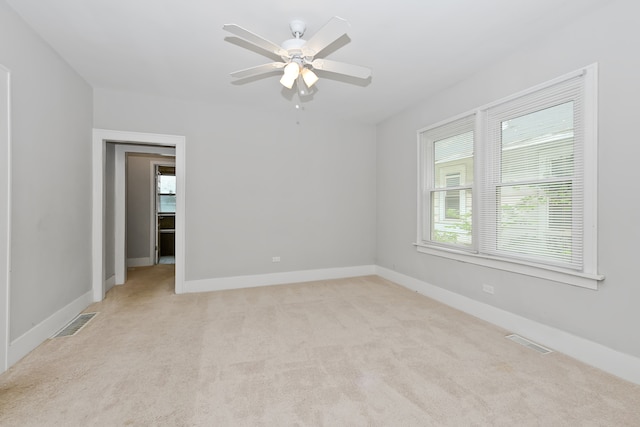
100	138
5	218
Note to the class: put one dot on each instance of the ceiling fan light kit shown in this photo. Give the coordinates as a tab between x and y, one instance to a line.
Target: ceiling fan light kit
291	73
310	78
299	55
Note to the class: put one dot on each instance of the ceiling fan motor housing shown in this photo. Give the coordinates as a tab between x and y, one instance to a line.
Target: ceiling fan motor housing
298	28
293	44
294	50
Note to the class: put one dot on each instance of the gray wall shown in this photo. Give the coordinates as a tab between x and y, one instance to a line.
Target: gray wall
51	173
259	185
138	206
139	203
609	316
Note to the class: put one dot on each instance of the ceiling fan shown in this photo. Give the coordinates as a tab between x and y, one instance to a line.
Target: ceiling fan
299	57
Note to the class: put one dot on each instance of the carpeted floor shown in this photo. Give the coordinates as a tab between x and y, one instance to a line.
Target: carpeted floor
350	352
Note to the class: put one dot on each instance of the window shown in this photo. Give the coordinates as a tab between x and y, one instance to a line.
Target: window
166	192
534	160
448	150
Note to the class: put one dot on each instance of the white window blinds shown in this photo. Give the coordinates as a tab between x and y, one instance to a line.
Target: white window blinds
532	192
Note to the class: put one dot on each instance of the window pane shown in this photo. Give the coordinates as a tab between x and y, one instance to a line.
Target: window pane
447	179
167	184
536	220
452	197
538	145
167	203
451	225
452	204
454	152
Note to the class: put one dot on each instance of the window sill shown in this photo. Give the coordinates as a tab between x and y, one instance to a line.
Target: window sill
575	278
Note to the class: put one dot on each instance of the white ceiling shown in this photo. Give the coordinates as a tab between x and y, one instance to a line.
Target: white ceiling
177	48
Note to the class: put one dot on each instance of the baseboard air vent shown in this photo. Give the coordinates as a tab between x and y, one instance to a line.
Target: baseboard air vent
530	344
75	325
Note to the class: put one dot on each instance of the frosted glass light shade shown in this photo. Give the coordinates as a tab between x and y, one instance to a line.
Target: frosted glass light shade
291	72
309	77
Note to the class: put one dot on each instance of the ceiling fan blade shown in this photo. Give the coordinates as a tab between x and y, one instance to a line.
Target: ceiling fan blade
260	69
332	30
341	68
254	39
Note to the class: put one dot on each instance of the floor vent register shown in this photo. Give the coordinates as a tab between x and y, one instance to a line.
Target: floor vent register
530	344
75	325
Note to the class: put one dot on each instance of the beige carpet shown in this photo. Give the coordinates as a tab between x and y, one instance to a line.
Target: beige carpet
351	352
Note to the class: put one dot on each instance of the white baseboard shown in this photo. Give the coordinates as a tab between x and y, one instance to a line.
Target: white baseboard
612	361
109	283
139	262
28	341
238	282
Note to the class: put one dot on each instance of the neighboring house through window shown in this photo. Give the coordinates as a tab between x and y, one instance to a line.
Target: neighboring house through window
452	197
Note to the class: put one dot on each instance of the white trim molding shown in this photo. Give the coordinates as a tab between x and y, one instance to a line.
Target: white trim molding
5	220
100	138
612	361
575	278
251	281
35	336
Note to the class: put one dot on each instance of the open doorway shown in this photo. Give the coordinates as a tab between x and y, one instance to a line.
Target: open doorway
152	143
143	203
165	213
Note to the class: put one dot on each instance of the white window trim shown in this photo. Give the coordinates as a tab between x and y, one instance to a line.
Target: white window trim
589	278
575	278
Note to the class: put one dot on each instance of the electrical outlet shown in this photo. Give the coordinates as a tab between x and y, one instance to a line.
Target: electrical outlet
275	259
488	289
